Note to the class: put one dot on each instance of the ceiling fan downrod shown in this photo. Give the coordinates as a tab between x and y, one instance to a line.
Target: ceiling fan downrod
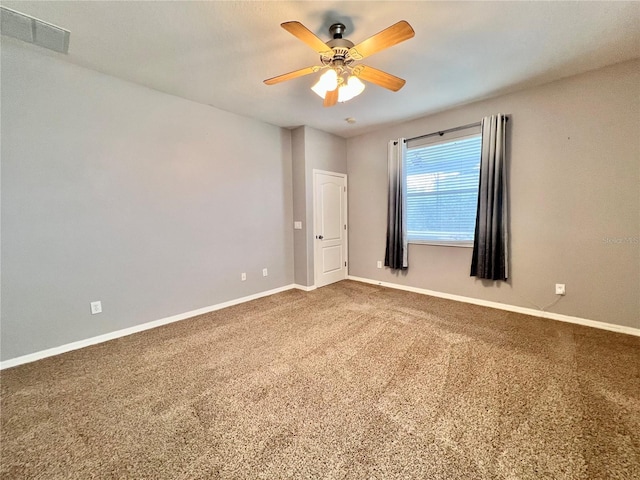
336	30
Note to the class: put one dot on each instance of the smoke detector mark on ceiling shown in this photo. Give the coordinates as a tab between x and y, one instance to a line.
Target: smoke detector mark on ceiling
32	30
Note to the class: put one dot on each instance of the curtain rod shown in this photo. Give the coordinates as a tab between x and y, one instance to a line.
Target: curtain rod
442	132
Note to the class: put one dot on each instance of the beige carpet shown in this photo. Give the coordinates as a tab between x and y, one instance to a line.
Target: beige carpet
349	381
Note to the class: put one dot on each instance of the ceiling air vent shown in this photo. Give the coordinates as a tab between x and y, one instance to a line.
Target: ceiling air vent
29	29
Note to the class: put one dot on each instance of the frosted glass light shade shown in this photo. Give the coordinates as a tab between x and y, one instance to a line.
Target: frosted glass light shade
327	83
353	88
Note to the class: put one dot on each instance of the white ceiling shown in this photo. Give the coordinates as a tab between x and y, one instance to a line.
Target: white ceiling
218	53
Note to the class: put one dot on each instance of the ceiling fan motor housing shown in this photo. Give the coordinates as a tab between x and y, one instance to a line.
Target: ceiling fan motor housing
339	45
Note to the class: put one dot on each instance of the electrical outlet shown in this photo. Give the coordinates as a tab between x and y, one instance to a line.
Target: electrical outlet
265	272
379	263
560	290
297	225
243	276
96	307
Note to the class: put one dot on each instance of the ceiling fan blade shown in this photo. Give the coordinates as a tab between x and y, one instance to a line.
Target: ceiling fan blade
307	36
290	75
379	77
388	37
331	98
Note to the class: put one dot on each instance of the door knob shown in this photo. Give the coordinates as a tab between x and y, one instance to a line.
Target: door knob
320	237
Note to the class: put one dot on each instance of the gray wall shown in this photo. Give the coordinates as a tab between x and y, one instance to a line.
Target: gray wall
114	192
155	205
574	173
312	149
299	207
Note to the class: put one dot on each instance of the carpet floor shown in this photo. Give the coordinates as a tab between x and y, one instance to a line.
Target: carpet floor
350	381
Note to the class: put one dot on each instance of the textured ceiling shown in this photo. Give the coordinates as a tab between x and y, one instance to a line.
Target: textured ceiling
218	53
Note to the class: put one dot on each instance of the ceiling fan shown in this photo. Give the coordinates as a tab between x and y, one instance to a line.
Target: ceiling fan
342	80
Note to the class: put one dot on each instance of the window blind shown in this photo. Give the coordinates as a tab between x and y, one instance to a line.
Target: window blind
442	191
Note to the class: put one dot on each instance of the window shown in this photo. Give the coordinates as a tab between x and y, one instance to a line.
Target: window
442	191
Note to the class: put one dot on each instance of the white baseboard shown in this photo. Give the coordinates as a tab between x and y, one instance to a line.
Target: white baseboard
50	352
503	306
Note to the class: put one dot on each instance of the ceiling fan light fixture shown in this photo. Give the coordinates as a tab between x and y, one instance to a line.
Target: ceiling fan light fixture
352	88
340	56
328	82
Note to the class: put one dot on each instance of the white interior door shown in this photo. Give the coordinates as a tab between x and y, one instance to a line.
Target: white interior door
330	227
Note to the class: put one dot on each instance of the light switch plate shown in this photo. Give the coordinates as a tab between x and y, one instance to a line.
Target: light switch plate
297	225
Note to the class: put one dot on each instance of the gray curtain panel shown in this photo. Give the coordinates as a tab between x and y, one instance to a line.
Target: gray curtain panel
490	257
396	252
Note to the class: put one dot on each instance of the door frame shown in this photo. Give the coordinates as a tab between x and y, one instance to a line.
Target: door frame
345	245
